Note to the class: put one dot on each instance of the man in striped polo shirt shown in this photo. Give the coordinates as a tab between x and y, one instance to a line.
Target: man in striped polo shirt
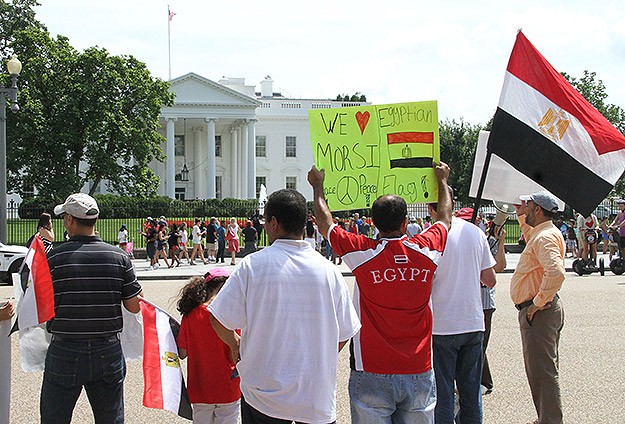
91	280
391	378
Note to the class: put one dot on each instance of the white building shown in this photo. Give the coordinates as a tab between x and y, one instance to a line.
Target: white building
229	139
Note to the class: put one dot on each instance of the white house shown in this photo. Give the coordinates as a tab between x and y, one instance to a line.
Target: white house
229	139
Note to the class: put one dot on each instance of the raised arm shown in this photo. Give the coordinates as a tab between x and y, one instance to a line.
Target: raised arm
322	211
444	198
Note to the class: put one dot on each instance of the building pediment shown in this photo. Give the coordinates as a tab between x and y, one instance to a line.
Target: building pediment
194	90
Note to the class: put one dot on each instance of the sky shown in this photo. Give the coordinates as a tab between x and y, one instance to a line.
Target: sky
392	51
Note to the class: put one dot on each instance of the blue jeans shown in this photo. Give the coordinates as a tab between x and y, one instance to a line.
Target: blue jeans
458	358
392	398
98	365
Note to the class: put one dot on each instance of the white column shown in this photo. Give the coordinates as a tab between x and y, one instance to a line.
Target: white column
251	158
170	172
197	169
233	162
210	166
243	161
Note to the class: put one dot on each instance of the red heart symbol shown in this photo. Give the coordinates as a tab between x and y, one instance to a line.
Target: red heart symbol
362	119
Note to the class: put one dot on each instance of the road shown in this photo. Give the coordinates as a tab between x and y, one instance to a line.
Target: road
591	352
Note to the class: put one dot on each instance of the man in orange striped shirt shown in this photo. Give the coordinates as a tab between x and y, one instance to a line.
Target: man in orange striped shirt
534	290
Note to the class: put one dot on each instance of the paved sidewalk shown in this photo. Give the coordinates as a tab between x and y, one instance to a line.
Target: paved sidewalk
185	270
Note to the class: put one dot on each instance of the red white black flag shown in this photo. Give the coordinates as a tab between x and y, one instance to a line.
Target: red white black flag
546	130
163	382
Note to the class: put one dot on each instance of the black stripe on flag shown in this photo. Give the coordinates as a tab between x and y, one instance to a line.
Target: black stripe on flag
412	163
543	161
184	407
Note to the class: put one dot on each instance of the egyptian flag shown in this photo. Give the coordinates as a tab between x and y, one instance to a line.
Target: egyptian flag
37	303
546	130
163	383
411	149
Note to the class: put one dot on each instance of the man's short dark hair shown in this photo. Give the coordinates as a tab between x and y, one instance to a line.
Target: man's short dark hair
288	206
388	212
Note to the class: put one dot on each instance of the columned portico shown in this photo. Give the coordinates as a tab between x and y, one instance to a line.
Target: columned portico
233	162
242	162
210	168
251	158
170	172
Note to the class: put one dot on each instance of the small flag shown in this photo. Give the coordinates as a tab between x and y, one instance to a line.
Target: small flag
546	130
170	14
164	386
411	149
37	304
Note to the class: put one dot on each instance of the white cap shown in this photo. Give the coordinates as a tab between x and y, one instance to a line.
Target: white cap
79	205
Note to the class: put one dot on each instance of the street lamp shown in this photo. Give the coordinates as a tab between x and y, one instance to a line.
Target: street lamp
14	67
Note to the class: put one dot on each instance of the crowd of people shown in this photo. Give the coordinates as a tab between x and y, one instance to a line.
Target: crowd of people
263	340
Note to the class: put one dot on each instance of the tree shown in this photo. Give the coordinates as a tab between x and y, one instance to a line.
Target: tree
594	91
85	117
356	97
458	144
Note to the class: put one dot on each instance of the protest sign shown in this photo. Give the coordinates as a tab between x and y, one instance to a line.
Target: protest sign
368	151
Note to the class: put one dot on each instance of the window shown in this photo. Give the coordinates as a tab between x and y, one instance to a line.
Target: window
291	147
218	187
261	147
180	193
260	181
179	145
291	182
218	146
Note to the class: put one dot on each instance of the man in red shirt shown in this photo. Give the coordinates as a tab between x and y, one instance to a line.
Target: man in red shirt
391	378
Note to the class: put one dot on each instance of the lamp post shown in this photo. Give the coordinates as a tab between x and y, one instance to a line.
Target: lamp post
14	67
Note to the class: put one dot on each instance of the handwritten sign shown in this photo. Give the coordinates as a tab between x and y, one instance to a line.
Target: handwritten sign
368	151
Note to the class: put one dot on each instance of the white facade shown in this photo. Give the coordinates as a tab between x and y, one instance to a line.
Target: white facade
232	138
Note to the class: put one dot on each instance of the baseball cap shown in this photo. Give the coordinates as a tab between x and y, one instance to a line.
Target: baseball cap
214	273
544	199
620	201
465	213
79	205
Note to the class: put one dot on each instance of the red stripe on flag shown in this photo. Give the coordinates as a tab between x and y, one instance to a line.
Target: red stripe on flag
410	137
152	383
527	64
42	282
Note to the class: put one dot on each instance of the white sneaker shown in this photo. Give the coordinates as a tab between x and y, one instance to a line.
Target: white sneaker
156	266
149	268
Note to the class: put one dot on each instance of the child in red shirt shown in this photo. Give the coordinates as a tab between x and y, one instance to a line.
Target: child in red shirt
213	392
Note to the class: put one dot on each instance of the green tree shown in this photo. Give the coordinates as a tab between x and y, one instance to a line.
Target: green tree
594	91
458	144
85	117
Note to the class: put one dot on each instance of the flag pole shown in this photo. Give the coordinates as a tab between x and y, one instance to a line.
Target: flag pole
480	189
169	39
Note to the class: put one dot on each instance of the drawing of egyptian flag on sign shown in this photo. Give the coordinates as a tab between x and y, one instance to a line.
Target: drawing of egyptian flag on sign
411	149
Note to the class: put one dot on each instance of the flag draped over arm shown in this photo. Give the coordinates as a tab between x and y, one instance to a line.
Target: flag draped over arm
163	381
546	130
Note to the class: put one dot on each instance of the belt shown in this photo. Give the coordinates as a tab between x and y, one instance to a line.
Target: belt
110	339
527	303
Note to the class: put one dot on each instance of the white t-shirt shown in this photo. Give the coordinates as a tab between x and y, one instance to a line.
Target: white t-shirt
123	236
184	237
293	307
456	290
195	233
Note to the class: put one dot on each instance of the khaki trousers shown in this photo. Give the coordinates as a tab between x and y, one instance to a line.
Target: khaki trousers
540	340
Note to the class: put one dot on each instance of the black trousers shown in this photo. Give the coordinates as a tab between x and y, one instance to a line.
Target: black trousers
487	379
250	415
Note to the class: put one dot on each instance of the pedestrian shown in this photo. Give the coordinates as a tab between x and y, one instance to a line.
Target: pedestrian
91	279
458	318
197	235
413	228
232	236
122	237
221	241
310	234
211	240
294	312
257	222
184	240
44	232
161	242
173	240
249	239
391	376
151	235
534	290
213	393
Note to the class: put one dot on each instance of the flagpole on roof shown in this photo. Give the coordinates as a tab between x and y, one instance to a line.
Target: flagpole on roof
169	16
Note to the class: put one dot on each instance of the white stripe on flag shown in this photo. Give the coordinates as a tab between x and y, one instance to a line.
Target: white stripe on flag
27	315
529	106
171	373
